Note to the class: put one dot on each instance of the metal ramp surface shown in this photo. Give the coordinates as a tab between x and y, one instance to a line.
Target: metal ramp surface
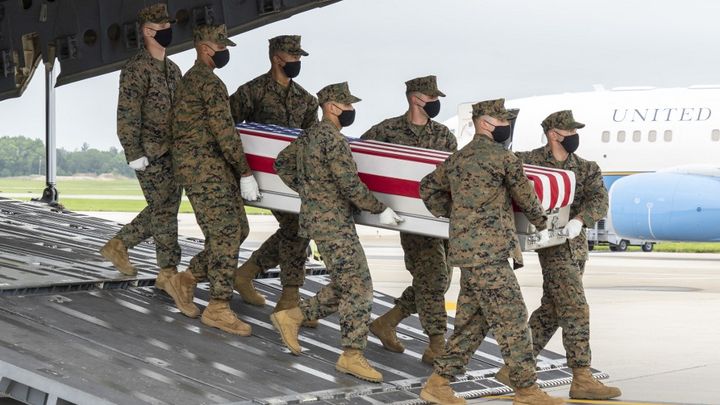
72	331
46	249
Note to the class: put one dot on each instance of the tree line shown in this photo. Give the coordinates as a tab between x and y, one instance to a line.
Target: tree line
22	156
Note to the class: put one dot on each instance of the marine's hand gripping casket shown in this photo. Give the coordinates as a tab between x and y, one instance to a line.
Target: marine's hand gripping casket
393	173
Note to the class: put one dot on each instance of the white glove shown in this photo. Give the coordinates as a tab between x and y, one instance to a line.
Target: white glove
389	217
139	164
543	237
573	228
249	189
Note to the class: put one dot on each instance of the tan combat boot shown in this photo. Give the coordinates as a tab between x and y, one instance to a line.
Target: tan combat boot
243	284
115	251
533	395
384	328
437	390
290	298
353	362
181	287
164	276
219	315
503	376
288	323
434	349
585	386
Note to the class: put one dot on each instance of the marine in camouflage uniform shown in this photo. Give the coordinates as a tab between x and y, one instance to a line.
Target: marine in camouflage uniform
147	88
475	188
275	98
320	167
563	302
425	257
210	162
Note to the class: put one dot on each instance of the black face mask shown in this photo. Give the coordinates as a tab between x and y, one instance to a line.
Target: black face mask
432	108
501	133
346	118
164	37
292	69
571	143
221	58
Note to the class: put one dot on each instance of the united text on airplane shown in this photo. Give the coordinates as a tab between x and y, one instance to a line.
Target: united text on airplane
662	114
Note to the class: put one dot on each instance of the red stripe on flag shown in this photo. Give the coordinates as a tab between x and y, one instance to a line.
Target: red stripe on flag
537	184
390	185
566	183
261	163
554	192
552	180
565	178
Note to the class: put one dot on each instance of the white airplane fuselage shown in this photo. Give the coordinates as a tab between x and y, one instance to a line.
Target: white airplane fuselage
658	149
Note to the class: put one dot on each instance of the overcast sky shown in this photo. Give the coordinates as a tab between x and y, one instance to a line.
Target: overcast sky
479	49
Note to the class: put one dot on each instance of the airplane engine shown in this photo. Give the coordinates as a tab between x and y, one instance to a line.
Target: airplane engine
666	206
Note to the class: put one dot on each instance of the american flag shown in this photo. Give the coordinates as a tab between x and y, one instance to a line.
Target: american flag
394	169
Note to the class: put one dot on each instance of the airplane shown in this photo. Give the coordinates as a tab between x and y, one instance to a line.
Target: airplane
658	150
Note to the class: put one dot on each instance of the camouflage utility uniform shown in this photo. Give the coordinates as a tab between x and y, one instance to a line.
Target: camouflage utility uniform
425	257
474	188
144	117
265	101
563	302
320	167
210	160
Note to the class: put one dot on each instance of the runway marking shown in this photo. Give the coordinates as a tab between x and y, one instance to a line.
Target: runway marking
587	401
450	305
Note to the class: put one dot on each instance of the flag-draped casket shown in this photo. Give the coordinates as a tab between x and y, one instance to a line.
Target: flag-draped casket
393	173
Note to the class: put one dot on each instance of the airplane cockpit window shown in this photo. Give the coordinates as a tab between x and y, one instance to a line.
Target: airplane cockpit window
652	136
621	136
668	135
636	136
606	136
716	135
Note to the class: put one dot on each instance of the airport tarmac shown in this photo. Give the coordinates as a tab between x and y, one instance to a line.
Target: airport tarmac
655	317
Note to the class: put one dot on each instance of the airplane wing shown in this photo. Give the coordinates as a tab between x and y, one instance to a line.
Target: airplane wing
91	38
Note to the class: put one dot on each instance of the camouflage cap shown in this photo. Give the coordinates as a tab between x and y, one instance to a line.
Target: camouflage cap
338	92
287	43
426	85
213	33
493	108
157	13
561	120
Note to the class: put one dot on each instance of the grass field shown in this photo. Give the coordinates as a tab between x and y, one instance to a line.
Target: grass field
92	188
80	186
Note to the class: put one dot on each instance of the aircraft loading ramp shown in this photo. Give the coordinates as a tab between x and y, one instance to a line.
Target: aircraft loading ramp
75	331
